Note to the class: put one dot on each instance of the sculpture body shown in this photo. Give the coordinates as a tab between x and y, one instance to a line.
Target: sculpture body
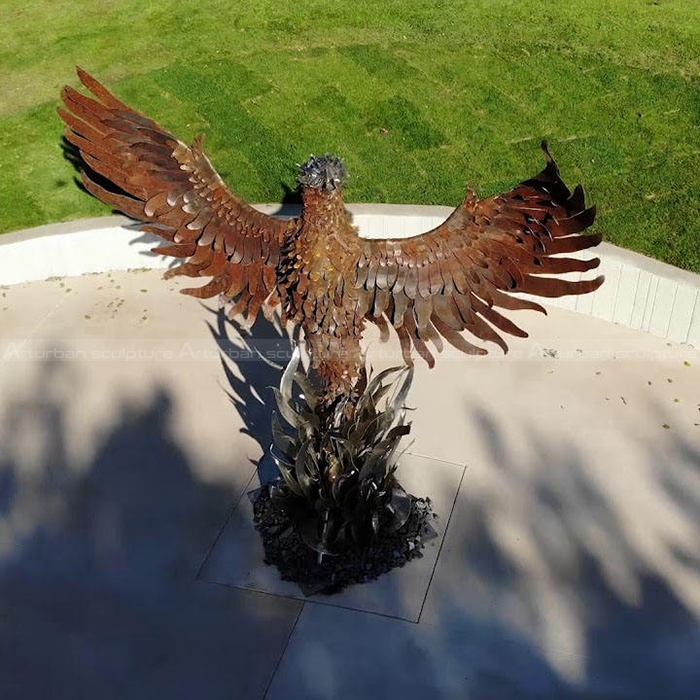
316	268
338	462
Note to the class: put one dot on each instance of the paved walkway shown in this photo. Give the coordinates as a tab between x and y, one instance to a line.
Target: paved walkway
566	475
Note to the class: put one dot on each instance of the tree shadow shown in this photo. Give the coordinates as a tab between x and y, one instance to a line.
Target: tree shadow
547	587
98	596
548	557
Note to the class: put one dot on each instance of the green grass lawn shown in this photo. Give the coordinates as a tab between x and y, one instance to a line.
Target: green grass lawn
421	99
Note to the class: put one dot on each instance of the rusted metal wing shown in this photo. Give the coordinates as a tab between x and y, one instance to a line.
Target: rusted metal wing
451	279
139	168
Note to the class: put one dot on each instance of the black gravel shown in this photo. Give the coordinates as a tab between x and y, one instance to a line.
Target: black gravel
296	561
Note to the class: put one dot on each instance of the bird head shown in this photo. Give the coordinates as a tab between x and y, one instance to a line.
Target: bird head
323	173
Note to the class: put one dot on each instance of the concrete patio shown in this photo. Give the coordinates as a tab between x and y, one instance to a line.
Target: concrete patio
566	476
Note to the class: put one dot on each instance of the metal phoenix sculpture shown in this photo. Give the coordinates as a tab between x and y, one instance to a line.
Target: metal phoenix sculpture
318	271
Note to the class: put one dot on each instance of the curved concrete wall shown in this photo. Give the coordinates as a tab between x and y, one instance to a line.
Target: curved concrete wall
639	292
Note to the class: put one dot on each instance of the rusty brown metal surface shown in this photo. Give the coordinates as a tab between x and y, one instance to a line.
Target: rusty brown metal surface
326	278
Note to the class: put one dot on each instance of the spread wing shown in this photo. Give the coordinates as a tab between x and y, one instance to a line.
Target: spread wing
456	277
139	168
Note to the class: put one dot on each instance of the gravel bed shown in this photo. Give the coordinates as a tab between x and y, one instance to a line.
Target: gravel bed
296	561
